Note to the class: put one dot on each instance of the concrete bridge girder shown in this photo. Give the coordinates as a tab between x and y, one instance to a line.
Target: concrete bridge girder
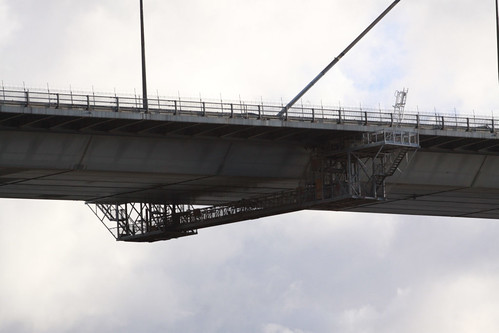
116	167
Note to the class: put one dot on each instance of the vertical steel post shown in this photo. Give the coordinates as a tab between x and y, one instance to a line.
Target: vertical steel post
143	49
349	172
118	231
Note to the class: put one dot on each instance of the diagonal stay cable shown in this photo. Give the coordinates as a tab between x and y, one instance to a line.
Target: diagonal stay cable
285	109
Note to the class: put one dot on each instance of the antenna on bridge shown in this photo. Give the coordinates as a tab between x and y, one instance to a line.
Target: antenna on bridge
143	49
285	109
400	100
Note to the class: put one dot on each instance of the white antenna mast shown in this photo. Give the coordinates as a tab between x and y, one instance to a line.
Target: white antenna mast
400	100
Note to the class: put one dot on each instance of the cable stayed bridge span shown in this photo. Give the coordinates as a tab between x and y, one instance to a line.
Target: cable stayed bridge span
183	165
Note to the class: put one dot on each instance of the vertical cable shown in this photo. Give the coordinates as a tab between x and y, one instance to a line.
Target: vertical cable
143	48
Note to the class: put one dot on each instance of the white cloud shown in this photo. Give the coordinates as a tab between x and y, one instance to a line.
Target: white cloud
358	320
452	60
276	328
461	303
8	23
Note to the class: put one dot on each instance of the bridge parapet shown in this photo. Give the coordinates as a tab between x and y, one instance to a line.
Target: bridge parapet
240	109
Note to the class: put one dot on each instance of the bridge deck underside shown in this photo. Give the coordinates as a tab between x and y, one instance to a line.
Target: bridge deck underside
443	184
108	187
435	200
438	201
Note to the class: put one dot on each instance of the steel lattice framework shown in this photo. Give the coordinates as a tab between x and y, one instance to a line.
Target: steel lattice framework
341	178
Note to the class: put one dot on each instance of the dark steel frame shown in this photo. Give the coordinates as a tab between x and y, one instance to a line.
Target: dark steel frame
337	179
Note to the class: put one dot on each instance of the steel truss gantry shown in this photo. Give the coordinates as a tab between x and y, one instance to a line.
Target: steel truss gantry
342	174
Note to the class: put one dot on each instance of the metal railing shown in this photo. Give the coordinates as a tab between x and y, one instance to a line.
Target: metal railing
240	109
398	136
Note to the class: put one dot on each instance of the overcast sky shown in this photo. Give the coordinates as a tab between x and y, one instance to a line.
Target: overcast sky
61	271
